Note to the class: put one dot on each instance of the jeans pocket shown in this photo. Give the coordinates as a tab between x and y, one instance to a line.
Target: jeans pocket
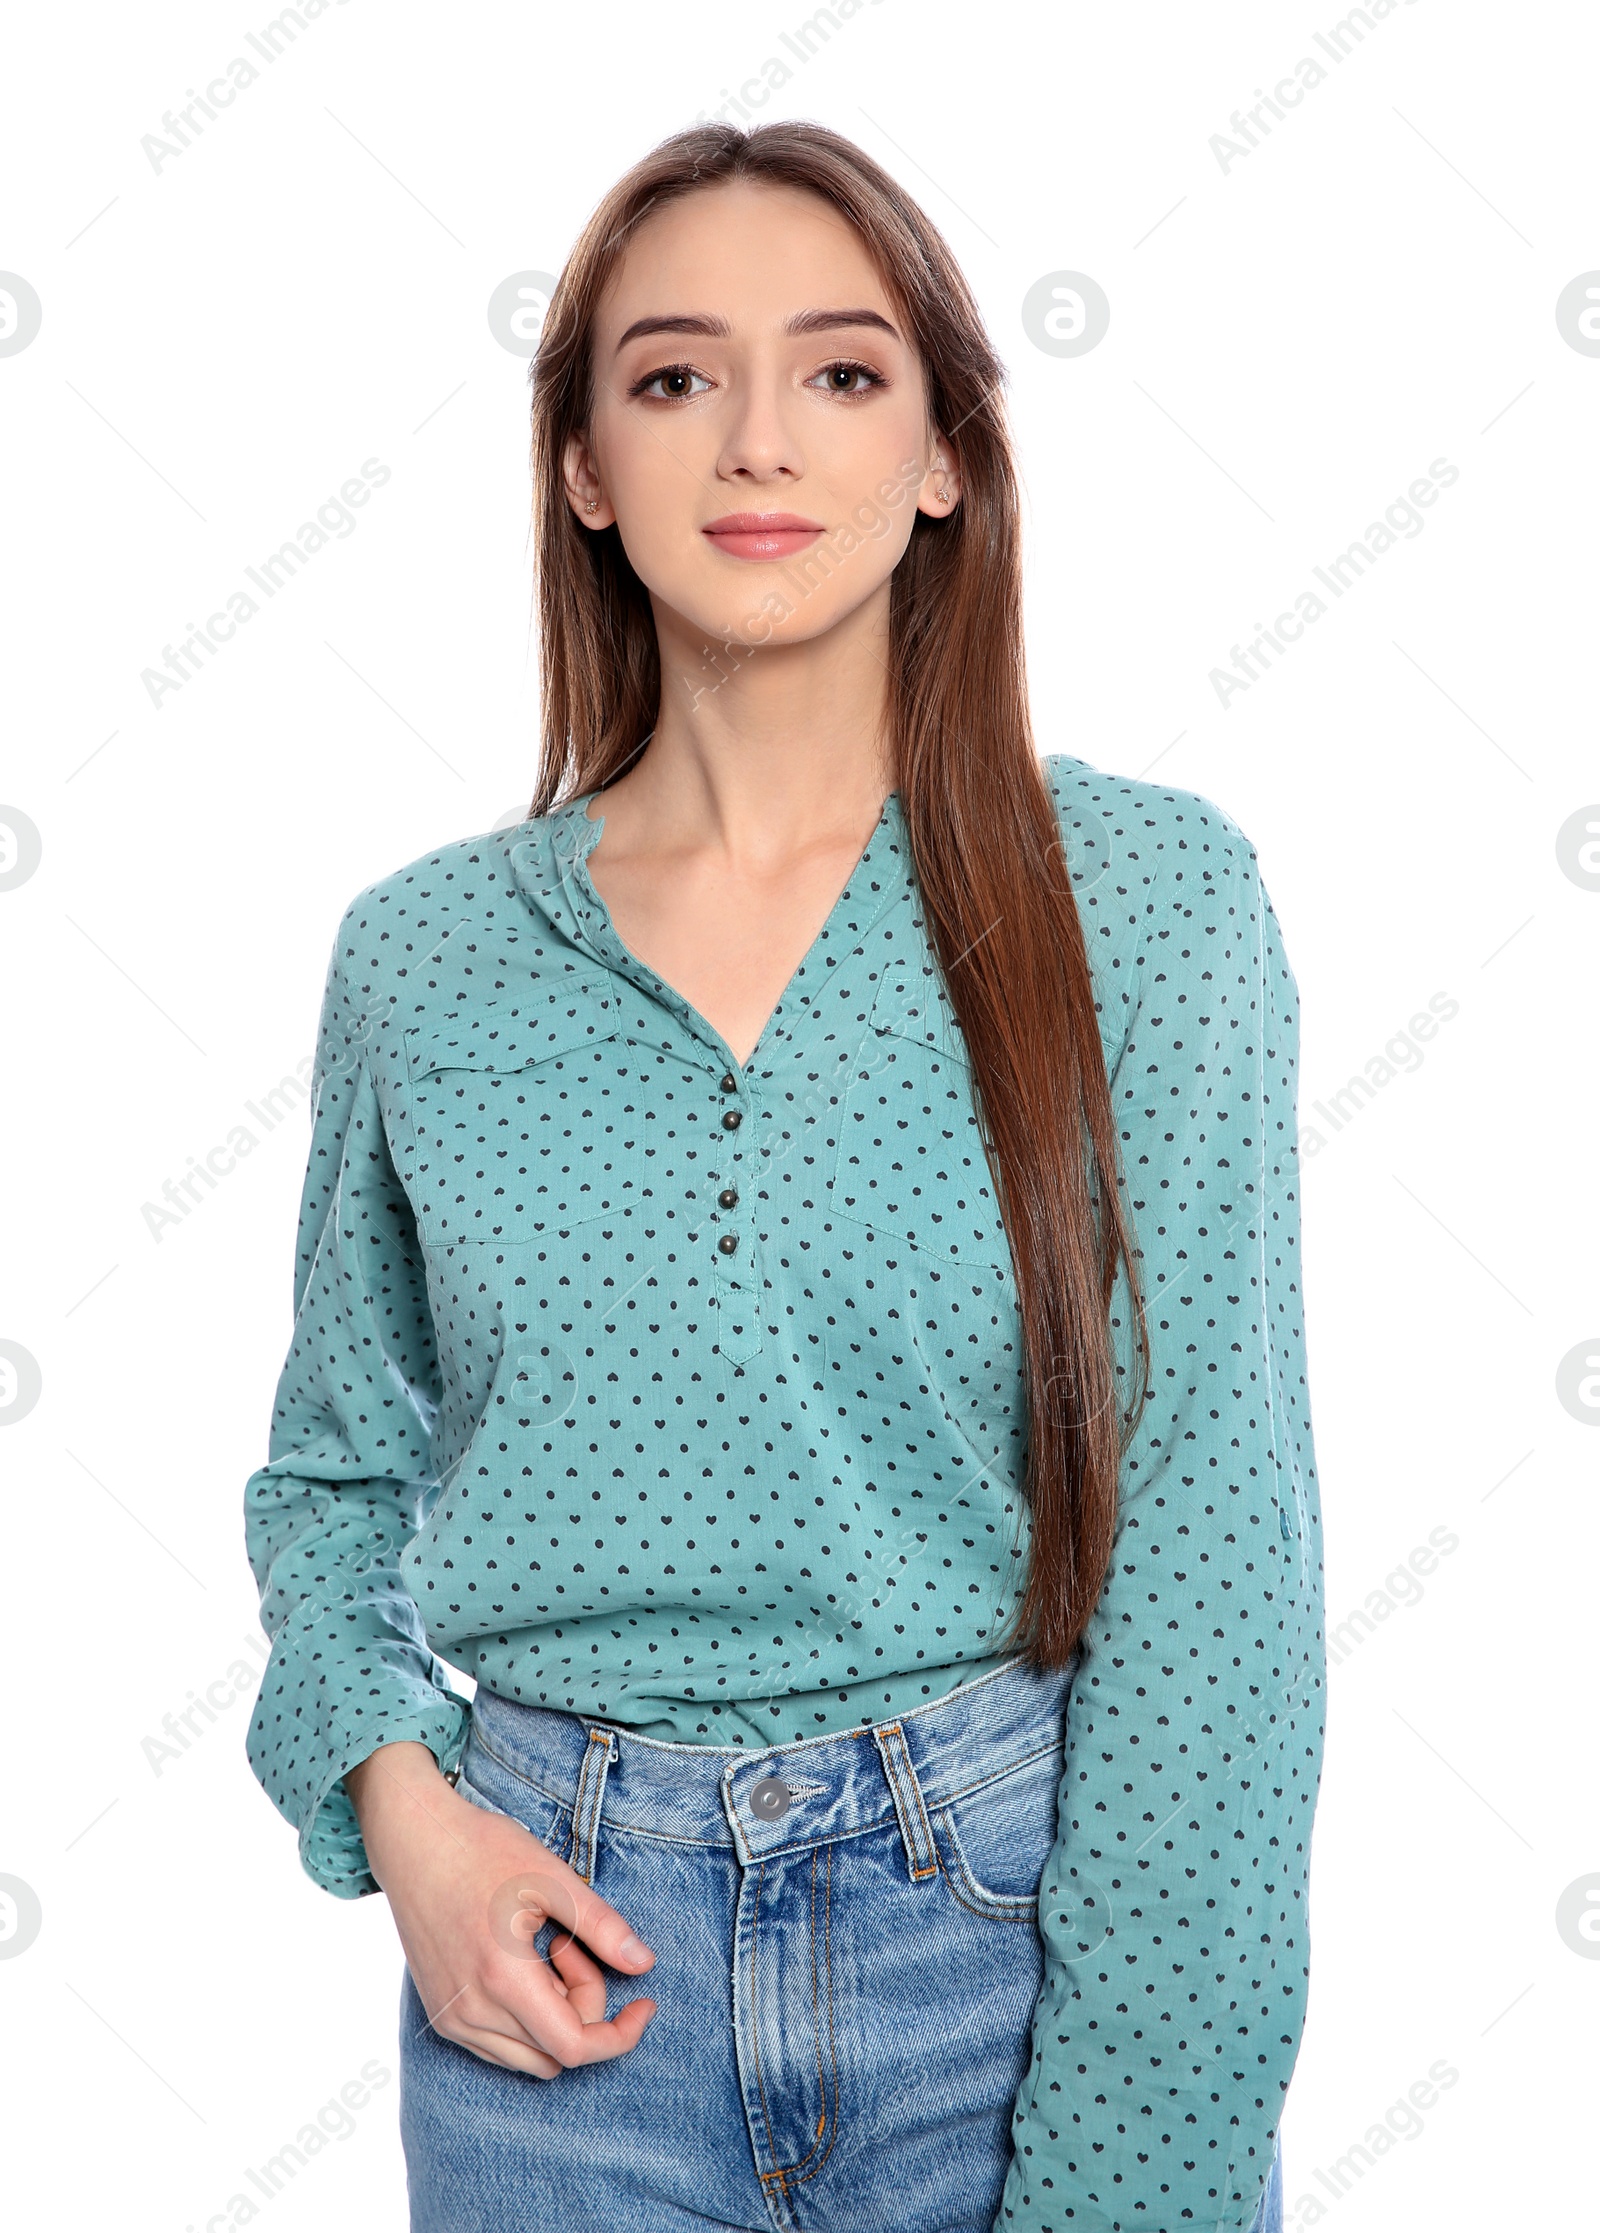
997	1837
484	1783
477	1798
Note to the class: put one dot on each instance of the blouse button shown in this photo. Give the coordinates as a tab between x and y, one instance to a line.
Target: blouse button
730	1083
731	1120
728	1243
728	1199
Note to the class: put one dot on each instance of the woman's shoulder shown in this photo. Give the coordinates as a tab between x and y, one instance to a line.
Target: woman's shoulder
1156	868
1153	832
472	908
461	864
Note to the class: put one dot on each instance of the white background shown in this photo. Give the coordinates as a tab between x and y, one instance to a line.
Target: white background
1293	340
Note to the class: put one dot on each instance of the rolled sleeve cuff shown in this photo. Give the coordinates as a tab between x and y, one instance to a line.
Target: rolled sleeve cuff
331	1849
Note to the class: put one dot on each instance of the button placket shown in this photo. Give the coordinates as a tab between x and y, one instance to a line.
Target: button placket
737	1290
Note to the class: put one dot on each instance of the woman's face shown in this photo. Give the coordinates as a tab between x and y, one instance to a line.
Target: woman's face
747	361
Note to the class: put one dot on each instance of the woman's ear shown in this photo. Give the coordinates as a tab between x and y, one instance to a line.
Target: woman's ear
582	483
940	492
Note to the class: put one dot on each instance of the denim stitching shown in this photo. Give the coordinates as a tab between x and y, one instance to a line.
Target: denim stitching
586	1808
767	2177
791	2170
996	1775
999	1907
909	1810
833	2052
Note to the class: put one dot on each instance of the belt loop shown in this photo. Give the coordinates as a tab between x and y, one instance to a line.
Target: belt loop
598	1755
907	1793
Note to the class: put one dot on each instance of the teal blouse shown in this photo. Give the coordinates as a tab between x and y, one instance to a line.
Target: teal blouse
633	1381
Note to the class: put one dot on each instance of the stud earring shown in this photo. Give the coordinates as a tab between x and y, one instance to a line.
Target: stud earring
593	504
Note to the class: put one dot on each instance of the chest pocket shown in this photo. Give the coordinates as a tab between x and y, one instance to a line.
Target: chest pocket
526	1117
910	1159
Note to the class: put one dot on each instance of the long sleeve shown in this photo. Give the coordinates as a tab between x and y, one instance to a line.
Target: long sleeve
348	1478
1174	1907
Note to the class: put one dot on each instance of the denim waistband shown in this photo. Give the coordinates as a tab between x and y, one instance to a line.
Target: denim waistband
767	1800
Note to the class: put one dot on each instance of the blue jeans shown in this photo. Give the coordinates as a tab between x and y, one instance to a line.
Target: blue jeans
847	1960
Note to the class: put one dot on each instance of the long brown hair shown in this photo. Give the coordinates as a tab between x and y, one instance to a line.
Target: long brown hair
984	835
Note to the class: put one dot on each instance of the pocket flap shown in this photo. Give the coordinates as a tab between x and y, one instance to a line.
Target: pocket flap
913	1003
513	1034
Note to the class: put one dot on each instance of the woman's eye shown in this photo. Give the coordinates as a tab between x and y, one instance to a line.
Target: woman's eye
841	375
675	377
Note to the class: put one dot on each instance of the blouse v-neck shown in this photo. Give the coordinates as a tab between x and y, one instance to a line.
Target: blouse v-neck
603	926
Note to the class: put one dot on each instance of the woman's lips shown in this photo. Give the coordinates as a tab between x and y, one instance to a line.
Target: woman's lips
761	534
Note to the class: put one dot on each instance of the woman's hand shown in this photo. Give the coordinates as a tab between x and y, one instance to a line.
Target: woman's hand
469	1891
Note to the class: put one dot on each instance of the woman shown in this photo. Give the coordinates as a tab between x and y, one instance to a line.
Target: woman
798	1297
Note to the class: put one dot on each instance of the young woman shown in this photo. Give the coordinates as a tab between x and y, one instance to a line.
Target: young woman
798	1297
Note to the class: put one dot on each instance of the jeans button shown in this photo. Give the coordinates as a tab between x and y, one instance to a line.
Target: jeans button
770	1798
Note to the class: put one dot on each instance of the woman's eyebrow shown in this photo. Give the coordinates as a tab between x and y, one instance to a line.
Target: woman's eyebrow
803	321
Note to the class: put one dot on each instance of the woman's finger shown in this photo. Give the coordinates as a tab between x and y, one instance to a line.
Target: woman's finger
551	2033
580	1980
508	2050
564	2015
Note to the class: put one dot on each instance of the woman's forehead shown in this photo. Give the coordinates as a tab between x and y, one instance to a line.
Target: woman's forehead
752	254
